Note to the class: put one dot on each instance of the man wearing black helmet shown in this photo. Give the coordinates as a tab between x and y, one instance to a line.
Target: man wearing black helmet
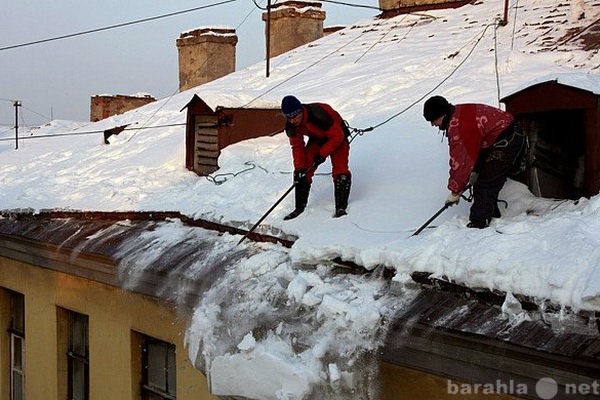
486	145
327	137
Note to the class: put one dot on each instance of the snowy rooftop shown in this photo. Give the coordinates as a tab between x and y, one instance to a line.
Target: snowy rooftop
376	73
587	82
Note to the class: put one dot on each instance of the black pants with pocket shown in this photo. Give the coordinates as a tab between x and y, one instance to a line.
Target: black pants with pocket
494	165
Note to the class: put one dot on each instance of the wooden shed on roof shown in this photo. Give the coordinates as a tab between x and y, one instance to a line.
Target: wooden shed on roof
209	130
561	116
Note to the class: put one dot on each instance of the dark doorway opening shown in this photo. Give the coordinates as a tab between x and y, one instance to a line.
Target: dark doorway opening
556	159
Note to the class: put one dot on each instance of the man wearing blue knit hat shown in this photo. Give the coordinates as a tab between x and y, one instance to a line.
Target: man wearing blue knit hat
327	136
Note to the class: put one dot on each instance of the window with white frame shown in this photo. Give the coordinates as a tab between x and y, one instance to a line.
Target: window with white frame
16	331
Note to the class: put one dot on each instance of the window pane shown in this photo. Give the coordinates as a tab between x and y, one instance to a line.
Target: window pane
157	362
160	370
171	371
78	357
80	333
17	303
78	382
17	353
17	386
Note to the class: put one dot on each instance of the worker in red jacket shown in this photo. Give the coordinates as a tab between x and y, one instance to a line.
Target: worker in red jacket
327	136
486	146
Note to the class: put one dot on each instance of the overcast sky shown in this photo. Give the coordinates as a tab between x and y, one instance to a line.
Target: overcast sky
57	78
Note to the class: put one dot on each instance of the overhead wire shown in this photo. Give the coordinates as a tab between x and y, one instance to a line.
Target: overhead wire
512	42
215	178
496	71
302	71
72	133
143	126
115	26
350	4
35	112
177	90
120	25
258	6
381	38
356	132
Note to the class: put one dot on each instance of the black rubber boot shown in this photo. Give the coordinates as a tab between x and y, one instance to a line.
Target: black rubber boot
478	224
496	213
301	192
341	193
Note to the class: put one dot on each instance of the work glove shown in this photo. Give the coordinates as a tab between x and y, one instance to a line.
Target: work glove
300	175
319	159
473	178
453	198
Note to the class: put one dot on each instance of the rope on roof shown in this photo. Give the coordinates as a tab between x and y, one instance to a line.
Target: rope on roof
357	132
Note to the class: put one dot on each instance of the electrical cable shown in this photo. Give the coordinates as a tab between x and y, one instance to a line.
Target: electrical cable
136	129
177	90
36	113
155	112
91	132
512	42
302	71
383	37
246	17
358	132
351	4
114	26
496	64
258	6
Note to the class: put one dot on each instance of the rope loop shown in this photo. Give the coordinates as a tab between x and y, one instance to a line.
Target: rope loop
219	179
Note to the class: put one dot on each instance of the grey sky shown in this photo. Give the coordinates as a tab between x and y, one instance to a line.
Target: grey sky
56	79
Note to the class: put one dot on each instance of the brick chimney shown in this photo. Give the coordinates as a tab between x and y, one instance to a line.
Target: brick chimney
293	24
205	54
104	106
391	8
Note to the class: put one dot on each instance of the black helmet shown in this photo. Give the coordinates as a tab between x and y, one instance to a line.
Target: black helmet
436	107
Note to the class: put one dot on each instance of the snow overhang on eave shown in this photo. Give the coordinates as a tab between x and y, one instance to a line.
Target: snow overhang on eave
94	245
465	339
448	329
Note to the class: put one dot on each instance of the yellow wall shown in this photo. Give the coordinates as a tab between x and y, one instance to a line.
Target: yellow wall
403	383
113	315
116	320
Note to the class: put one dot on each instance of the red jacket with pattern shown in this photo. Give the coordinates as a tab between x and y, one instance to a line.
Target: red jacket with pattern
320	122
472	127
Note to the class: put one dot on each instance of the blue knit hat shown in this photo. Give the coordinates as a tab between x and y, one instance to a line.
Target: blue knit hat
290	106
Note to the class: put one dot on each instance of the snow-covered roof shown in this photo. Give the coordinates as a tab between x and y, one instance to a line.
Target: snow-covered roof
376	74
588	81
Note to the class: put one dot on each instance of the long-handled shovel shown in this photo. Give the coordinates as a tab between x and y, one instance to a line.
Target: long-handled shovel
273	206
430	220
268	212
437	214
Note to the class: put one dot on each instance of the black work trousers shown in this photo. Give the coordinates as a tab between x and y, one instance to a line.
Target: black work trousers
494	165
